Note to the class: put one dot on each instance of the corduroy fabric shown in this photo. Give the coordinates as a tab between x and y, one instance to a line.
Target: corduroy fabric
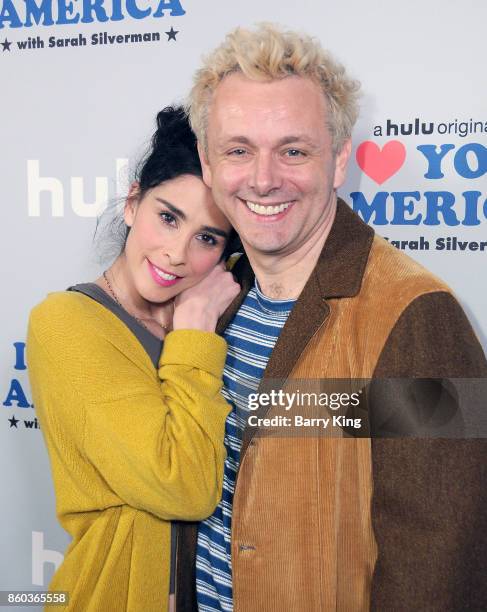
430	496
312	515
131	448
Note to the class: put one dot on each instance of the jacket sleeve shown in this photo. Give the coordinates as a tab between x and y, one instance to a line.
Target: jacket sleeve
429	504
153	439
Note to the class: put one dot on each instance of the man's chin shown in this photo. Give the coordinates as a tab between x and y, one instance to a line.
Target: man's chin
265	247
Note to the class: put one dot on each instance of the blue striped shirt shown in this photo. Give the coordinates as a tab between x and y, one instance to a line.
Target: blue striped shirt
251	337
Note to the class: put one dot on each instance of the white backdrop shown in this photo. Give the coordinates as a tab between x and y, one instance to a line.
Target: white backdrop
73	115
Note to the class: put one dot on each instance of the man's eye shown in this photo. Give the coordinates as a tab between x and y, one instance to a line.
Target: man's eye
237	152
167	217
294	153
208	239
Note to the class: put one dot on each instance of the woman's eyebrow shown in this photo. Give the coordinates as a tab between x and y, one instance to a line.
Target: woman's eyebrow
204	228
174	209
215	230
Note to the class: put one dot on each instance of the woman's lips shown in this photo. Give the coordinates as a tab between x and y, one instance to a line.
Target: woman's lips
161	277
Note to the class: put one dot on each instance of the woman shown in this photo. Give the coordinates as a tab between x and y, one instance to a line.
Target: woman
135	436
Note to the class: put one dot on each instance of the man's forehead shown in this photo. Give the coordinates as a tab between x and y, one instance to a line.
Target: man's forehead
233	87
239	99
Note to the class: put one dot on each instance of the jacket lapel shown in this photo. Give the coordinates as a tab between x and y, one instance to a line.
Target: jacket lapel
338	273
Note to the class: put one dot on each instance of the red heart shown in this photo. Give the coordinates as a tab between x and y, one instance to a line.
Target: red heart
379	164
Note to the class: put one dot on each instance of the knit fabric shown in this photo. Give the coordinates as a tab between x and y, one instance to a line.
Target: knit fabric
131	448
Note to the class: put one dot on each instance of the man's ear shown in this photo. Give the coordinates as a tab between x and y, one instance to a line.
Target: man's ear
205	165
341	163
131	202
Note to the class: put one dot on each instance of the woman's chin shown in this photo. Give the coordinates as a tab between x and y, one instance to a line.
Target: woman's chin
159	295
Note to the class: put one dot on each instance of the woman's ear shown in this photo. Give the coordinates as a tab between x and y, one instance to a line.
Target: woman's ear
131	202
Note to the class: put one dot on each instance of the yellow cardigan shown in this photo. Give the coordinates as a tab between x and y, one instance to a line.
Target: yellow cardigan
131	448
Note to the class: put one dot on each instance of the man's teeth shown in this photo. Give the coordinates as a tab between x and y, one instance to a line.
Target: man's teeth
267	210
165	275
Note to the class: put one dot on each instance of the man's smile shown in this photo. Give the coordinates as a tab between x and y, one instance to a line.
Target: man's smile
273	210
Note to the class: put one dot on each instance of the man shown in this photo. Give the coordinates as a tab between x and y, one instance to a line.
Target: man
319	523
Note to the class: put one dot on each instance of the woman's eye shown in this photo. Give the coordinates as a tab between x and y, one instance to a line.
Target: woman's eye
208	239
167	217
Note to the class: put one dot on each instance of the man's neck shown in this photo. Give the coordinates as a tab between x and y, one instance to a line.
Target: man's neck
283	277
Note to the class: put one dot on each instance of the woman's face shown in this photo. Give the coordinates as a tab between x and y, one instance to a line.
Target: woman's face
177	236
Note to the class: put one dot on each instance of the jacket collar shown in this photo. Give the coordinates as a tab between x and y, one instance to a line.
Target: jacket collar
341	265
337	274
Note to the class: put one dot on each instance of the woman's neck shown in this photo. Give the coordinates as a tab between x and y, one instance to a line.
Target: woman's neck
116	281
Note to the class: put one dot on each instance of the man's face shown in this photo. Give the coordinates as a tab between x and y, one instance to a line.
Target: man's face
270	162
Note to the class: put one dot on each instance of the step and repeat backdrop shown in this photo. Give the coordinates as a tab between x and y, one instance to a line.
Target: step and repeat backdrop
81	83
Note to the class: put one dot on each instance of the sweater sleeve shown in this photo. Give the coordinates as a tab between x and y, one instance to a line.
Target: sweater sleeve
154	440
429	501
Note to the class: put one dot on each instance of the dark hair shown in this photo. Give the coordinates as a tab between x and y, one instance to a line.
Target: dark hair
172	152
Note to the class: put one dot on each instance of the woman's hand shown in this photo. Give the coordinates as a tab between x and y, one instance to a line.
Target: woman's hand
200	306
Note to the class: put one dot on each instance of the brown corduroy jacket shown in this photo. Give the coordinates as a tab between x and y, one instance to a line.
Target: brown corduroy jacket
355	524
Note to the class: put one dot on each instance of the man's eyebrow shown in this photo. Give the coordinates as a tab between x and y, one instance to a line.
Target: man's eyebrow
283	141
174	209
298	138
239	139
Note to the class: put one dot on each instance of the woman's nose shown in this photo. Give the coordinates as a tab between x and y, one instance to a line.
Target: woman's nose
176	252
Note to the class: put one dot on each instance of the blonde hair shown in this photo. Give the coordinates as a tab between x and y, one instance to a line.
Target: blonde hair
269	53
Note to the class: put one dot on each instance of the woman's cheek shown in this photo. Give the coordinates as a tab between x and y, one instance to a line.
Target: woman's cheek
206	262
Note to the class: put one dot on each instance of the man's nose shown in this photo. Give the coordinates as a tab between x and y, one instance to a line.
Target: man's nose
265	177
